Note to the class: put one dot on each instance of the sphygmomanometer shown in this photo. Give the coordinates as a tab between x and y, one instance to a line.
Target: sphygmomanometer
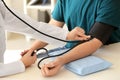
90	64
100	31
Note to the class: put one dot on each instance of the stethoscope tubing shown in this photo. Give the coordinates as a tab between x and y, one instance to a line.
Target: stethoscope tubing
79	42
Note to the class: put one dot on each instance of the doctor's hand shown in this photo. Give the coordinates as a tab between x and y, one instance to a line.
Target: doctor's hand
27	59
77	34
51	68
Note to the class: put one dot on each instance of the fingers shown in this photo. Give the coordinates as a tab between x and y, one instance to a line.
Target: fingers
42	71
82	37
30	53
45	71
24	52
78	29
77	34
35	57
48	70
27	59
80	34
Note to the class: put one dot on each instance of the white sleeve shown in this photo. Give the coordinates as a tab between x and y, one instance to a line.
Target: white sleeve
11	68
14	24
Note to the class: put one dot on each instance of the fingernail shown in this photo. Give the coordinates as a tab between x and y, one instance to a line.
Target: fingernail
89	36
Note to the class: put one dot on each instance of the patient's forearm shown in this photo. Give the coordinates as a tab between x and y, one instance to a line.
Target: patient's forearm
81	51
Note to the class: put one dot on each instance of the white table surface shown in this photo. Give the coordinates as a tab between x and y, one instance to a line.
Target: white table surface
110	53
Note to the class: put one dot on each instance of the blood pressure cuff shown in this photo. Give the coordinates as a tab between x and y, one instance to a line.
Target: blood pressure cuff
101	31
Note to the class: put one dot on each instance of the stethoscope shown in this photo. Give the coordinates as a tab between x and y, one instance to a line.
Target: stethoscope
46	51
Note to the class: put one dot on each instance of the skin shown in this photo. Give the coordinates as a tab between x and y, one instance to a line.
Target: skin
27	59
82	50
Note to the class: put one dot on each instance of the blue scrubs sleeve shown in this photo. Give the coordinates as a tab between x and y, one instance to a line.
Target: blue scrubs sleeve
57	13
109	12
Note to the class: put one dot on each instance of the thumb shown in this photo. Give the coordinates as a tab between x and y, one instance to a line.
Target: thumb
24	52
51	64
29	53
78	29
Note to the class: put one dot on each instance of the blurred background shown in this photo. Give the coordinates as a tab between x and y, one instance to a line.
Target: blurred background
39	10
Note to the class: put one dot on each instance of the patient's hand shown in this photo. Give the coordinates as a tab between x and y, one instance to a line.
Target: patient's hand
77	34
51	68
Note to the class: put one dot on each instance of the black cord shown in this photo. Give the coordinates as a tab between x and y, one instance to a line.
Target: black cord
52	56
62	52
